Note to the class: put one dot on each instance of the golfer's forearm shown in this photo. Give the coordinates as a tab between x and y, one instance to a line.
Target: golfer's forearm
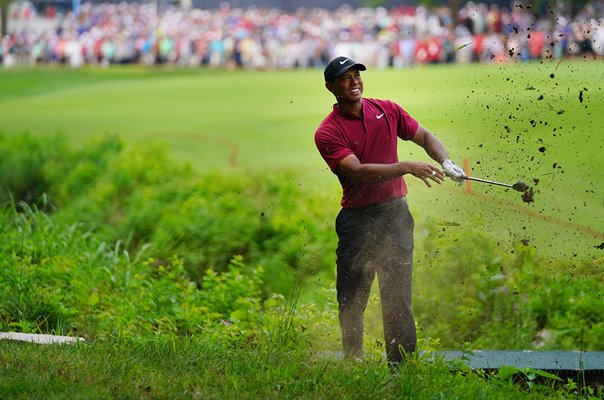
375	173
435	148
431	144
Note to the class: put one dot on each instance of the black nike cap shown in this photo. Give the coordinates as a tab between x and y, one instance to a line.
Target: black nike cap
339	65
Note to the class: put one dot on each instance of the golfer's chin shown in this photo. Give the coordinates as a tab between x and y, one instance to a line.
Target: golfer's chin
354	97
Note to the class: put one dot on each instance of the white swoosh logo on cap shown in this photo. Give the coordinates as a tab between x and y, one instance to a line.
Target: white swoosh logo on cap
379	116
342	62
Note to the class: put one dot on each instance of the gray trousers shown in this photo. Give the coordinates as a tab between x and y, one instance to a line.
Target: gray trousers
376	239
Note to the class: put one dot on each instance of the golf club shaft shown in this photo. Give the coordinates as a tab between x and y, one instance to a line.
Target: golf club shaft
487	181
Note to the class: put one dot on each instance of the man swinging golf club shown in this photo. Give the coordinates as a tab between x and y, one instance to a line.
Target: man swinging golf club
358	140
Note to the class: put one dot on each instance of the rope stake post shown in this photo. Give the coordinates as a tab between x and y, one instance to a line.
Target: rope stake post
466	167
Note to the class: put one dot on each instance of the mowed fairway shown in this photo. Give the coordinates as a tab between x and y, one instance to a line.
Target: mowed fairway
537	122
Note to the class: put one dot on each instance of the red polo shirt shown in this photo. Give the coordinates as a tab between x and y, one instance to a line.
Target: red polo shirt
373	139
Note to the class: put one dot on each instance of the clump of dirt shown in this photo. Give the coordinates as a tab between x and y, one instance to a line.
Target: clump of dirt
528	196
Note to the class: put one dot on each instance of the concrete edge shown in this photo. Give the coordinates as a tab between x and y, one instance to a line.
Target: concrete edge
40	338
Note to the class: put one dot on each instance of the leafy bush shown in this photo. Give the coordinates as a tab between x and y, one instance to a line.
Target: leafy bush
470	292
31	167
22	166
139	196
62	279
208	227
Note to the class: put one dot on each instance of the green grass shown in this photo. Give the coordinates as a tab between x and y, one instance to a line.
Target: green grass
193	369
270	118
488	114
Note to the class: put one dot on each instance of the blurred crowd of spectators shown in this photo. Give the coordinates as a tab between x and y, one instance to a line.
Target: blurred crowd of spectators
262	38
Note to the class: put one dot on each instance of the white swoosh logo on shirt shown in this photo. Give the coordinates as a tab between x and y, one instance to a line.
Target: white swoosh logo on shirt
379	116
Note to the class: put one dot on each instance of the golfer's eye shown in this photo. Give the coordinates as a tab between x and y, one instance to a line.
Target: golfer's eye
351	78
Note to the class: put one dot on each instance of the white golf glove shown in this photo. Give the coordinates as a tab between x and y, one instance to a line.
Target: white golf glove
453	171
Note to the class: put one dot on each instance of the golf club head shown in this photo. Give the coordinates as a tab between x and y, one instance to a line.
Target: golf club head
520	186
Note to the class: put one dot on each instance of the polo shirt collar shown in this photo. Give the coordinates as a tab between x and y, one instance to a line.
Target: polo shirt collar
342	114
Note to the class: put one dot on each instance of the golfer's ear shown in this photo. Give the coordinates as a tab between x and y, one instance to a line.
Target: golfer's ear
329	86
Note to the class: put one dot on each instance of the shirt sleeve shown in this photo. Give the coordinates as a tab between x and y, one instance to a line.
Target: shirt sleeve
331	146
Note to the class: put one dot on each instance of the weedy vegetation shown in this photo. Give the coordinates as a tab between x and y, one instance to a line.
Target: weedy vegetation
210	285
189	277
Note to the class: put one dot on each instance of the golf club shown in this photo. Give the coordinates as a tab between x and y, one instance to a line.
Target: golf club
518	186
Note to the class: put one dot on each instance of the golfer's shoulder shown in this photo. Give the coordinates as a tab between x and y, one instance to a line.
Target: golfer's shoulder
327	128
329	122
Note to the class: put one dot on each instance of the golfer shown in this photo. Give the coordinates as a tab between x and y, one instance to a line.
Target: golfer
358	140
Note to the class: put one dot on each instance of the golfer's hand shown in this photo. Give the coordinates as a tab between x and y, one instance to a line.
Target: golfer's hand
426	172
453	171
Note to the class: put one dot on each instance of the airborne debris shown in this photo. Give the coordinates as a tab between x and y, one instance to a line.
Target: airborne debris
463	45
448	223
528	195
600	246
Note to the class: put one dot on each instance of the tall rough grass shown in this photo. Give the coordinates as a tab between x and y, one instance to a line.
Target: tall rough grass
103	239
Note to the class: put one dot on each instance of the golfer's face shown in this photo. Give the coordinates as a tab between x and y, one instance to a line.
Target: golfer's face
348	86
